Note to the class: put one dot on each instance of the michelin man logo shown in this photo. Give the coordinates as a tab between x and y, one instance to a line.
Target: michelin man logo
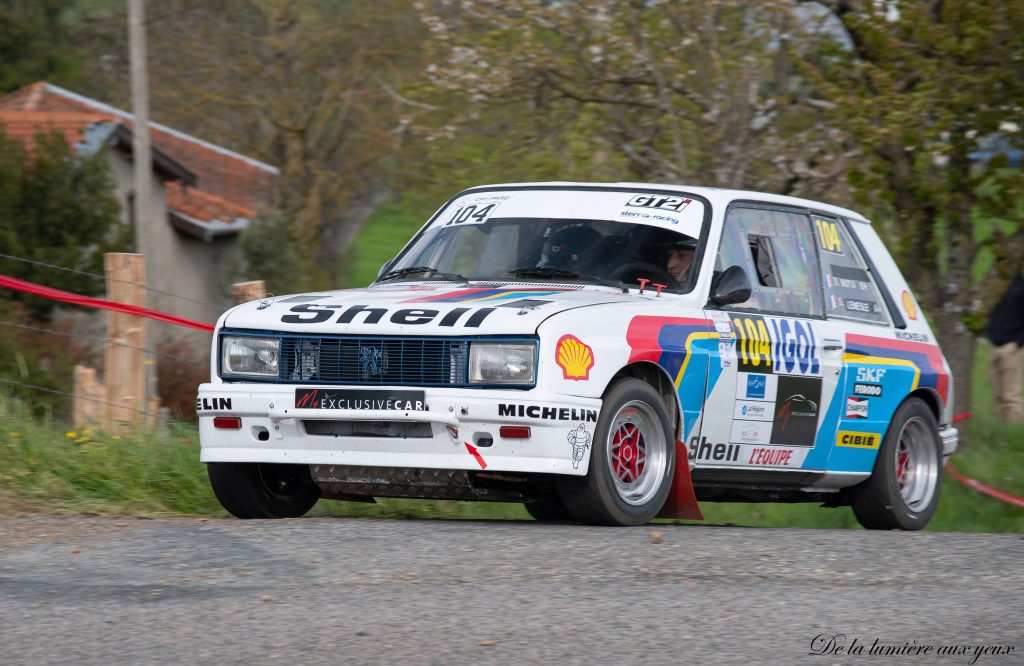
580	441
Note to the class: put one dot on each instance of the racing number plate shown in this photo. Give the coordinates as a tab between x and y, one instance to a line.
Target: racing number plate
320	398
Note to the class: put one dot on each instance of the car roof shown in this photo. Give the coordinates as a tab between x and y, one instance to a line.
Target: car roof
716	195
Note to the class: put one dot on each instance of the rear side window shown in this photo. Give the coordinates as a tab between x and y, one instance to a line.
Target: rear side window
776	249
850	291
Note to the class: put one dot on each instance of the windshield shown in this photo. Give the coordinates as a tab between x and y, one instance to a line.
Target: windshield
476	242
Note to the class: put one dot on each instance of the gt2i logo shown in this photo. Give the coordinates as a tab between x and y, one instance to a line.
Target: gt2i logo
858	440
783	346
828	236
658	201
317	314
471	214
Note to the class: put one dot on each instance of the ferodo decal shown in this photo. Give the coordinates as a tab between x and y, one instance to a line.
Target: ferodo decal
574	358
828	236
858	440
909	305
579	440
546	413
796	411
474	294
923	360
317	314
782	346
683	347
212	404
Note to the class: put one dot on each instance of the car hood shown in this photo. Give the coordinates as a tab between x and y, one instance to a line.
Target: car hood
421	309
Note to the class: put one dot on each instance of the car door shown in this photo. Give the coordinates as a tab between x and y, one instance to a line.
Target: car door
780	362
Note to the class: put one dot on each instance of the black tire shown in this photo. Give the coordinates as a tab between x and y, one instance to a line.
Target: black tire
548	509
604	495
263	490
903	490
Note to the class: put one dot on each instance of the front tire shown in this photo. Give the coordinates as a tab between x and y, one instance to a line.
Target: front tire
903	491
631	463
263	490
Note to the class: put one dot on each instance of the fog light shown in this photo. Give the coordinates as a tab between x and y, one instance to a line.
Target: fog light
227	422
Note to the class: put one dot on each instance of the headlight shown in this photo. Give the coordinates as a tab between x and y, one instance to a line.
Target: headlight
255	357
502	362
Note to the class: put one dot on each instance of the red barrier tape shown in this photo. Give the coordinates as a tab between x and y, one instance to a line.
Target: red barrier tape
87	301
982	488
962	416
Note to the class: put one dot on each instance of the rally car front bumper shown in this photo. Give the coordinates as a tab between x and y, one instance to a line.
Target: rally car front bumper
457	429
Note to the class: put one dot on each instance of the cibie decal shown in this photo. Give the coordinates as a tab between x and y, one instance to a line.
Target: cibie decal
909	306
574	358
579	439
858	440
856	408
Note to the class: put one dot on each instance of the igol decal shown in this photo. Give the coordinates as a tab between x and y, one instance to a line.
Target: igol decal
574	358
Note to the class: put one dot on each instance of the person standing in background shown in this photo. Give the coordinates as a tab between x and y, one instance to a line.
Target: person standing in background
1006	360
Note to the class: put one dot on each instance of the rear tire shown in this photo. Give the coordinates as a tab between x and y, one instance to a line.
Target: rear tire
903	491
263	490
631	463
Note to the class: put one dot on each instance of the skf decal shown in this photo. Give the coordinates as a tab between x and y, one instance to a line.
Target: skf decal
828	236
212	404
909	305
574	358
858	440
856	408
579	440
317	314
547	413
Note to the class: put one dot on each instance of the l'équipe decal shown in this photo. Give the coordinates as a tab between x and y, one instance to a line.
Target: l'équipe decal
775	345
701	451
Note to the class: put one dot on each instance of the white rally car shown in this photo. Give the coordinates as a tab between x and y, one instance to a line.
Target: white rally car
603	352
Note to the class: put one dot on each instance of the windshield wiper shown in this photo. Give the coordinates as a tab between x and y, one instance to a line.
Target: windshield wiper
556	273
411	270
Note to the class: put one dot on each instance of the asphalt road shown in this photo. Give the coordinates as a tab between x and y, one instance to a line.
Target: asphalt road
95	590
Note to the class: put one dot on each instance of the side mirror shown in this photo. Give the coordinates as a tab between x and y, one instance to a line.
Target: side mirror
730	286
384	267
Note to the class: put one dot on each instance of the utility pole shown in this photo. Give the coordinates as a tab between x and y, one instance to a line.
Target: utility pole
143	161
143	166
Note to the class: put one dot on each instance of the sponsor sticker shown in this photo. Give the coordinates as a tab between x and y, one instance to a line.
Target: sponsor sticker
872	375
780	346
856	408
362	314
212	404
660	201
869	390
702	449
858	440
574	358
911	336
476	213
751	432
770	457
579	440
756	386
320	398
909	305
546	413
796	411
751	410
828	236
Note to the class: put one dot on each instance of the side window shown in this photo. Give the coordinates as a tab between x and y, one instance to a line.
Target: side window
850	291
776	249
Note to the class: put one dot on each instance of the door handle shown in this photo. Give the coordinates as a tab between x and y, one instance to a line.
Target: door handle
829	344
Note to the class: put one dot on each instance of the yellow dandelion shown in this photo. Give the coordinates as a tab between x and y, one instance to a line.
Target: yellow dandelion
115	437
87	432
14	434
71	434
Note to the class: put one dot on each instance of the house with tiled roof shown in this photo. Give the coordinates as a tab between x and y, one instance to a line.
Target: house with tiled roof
203	194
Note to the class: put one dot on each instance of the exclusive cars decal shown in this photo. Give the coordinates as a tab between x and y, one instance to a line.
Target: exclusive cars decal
579	440
574	358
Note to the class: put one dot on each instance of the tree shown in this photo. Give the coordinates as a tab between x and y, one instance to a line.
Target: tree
56	208
921	87
35	43
699	92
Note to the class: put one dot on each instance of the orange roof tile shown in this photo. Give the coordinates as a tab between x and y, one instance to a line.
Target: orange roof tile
25	125
221	172
203	206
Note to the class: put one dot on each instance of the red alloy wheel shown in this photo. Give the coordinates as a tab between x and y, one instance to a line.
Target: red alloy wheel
629	453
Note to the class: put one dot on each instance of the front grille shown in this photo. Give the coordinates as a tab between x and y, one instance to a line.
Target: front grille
372	361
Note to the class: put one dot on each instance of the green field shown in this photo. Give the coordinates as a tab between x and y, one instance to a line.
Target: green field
44	466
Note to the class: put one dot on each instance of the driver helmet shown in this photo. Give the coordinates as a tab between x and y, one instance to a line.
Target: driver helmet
566	246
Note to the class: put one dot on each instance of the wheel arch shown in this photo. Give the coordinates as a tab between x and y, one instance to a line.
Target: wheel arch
659	379
931	398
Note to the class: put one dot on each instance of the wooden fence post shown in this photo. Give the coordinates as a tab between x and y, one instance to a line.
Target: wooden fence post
123	370
249	291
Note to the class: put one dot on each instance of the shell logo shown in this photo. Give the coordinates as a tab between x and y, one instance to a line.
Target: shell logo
909	305
574	358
